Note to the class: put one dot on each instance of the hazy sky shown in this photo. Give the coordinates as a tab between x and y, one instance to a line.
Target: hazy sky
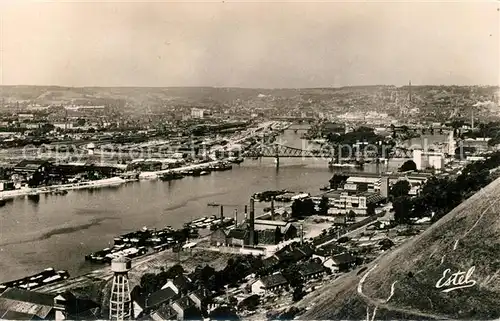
249	44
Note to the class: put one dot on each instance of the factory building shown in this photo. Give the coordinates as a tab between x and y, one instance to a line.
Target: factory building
361	204
197	113
252	232
357	184
424	160
19	304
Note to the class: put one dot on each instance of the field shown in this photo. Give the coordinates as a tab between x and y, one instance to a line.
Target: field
410	282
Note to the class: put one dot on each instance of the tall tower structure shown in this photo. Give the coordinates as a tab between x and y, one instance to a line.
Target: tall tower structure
120	302
251	222
472	118
409	91
384	186
272	209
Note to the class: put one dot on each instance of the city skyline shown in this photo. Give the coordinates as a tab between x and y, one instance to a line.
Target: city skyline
249	45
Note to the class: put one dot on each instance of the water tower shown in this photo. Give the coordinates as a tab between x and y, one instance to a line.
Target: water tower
120	301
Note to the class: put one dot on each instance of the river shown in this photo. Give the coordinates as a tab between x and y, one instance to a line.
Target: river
59	230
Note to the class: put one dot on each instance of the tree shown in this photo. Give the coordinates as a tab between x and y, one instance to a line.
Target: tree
400	188
80	122
409	165
224	313
402	209
323	206
36	180
149	282
250	303
351	216
291	274
298	293
337	181
297	208
174	271
302	207
308	207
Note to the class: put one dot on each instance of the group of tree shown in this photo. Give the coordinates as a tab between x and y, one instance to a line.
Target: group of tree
323	206
409	165
303	207
4	173
360	134
399	189
439	195
338	180
206	277
151	282
235	270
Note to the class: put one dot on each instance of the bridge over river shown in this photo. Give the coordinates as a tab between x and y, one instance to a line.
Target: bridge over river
278	150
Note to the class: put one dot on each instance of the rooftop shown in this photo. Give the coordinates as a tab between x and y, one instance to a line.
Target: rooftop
238	233
271	223
19	301
185	302
32	164
274	280
311	268
182	282
160	297
343	258
356	179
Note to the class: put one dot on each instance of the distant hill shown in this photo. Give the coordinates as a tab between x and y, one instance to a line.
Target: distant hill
434	101
415	281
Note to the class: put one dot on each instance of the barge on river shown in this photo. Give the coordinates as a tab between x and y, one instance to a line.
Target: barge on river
142	242
47	276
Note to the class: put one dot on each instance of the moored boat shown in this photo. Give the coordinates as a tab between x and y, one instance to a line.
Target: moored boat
47	276
235	160
34	196
169	176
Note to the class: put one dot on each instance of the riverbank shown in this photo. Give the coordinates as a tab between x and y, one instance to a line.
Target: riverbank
156	174
107	182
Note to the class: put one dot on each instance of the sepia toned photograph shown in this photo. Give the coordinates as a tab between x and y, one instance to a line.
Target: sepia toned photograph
249	160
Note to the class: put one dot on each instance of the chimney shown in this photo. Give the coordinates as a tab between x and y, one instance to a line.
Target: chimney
272	209
236	218
221	212
251	222
384	186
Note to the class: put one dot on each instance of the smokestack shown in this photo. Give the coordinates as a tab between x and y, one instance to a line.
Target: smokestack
235	218
301	234
472	118
251	222
246	209
409	85
272	209
221	212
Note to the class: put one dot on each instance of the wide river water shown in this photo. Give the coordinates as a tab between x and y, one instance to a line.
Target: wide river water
58	231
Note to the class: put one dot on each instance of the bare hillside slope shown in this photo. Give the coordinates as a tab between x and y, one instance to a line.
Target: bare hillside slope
449	271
